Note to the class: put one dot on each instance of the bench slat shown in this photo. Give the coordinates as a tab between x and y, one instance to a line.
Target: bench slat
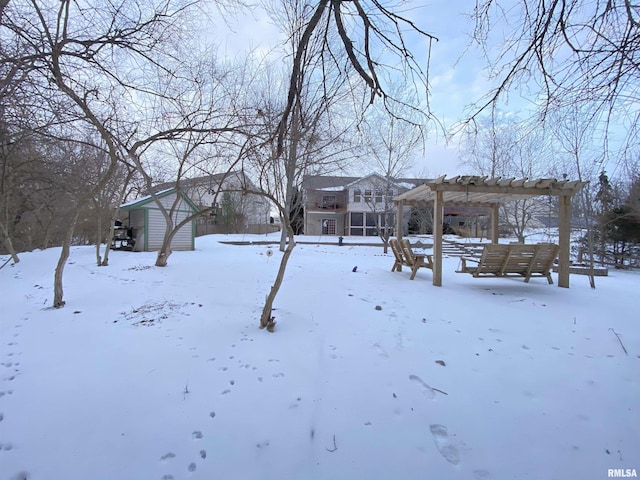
501	260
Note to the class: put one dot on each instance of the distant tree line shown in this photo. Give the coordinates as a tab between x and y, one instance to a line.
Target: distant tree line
618	220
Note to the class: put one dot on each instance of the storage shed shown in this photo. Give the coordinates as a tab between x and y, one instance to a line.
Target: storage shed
148	225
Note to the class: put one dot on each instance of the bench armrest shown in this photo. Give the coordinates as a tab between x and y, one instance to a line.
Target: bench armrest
471	259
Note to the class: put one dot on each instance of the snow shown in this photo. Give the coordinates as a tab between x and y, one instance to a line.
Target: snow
162	373
339	188
145	198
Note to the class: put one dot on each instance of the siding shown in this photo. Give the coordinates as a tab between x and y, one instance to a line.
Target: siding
156	227
149	225
314	222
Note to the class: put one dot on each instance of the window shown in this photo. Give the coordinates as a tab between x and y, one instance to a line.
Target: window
328	226
356	223
357	195
371	230
367	195
378	196
357	219
364	224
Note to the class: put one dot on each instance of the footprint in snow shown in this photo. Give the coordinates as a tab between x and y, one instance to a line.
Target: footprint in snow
444	444
380	351
426	389
481	475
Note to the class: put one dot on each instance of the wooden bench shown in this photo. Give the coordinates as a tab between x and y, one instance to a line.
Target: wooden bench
404	256
500	260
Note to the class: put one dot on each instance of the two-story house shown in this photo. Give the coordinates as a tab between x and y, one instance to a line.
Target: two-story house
352	206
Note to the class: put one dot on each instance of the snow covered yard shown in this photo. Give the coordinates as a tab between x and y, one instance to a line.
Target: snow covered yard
161	374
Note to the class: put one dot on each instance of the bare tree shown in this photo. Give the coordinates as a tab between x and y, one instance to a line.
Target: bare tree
105	62
576	52
503	145
113	194
390	142
363	30
313	139
574	135
331	36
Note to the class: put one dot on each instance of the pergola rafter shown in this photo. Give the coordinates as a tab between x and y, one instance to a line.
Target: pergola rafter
490	192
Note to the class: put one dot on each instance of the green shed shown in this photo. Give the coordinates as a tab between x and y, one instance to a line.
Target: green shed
148	225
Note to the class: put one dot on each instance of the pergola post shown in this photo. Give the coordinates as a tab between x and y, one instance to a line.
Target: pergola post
495	228
437	238
564	234
399	213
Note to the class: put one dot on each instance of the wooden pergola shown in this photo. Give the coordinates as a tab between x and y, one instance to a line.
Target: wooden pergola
488	192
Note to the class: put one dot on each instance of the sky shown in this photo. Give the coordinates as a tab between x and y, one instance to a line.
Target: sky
457	69
163	374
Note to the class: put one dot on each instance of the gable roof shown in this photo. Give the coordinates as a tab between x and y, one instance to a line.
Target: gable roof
140	202
319	182
327	182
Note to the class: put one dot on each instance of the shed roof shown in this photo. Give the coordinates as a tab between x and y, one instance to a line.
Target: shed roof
140	202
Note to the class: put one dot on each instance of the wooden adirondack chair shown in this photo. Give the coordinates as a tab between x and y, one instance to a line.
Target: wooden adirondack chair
415	260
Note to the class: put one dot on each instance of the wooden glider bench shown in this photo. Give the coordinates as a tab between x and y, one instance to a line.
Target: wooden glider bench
404	256
521	260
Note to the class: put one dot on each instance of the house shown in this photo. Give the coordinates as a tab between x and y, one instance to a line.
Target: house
352	206
148	225
230	206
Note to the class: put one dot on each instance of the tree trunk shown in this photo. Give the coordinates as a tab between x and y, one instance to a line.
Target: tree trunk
98	235
114	216
267	320
283	240
107	248
165	251
58	301
9	244
163	257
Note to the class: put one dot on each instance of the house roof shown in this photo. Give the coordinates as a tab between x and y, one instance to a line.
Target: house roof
328	182
319	182
207	180
140	202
